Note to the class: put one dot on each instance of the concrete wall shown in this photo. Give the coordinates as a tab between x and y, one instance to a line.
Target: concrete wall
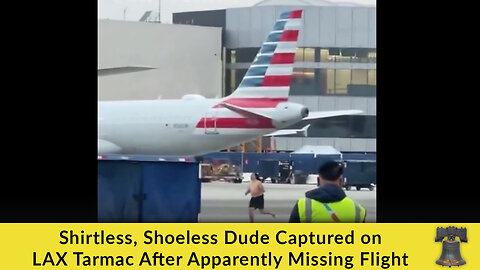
185	59
340	27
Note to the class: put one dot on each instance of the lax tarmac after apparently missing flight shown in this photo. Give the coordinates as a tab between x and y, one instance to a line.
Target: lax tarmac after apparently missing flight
228	237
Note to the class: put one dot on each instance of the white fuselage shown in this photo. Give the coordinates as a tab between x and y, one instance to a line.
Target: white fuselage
181	127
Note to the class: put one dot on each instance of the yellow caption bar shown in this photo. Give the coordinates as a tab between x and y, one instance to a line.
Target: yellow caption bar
229	246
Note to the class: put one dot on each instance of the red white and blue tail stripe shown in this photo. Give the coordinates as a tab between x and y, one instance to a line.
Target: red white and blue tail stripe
267	81
265	85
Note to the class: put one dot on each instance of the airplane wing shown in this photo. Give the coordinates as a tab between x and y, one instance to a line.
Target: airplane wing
325	114
121	70
106	147
311	115
281	132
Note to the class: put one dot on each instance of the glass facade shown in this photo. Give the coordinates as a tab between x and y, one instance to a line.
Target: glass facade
317	81
360	81
348	126
305	55
233	77
305	81
352	82
342	55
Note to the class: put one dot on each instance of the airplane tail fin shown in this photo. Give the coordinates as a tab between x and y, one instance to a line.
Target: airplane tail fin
267	81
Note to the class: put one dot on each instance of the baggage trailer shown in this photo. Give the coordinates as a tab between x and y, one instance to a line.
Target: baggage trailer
360	174
220	170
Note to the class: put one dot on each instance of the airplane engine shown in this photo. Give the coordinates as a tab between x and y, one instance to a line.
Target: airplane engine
288	113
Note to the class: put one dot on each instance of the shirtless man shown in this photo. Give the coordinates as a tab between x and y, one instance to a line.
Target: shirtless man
256	190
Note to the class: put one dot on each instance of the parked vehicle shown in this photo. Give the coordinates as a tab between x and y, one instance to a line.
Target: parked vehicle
220	170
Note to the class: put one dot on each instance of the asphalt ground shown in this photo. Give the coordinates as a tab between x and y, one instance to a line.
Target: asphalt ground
226	202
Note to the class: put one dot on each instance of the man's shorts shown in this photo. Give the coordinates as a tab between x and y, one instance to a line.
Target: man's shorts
257	202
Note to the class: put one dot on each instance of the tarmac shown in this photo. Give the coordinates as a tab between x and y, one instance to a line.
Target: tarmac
226	202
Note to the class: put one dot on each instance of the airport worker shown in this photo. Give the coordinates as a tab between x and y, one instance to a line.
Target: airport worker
256	190
328	202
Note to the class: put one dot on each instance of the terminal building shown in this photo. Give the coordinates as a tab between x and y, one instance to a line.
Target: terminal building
335	67
208	53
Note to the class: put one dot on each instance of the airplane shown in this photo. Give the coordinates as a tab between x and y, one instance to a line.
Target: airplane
195	125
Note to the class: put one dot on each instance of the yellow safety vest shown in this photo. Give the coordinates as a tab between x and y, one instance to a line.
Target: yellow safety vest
346	210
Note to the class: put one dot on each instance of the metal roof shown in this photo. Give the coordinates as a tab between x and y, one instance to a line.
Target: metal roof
317	150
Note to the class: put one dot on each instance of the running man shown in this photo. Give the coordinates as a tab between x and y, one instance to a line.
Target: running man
256	190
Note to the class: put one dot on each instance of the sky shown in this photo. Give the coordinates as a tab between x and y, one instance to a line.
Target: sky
134	9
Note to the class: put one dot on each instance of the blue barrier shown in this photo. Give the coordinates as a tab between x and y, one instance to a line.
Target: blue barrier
117	187
250	160
321	159
303	162
146	191
309	163
268	168
359	156
360	173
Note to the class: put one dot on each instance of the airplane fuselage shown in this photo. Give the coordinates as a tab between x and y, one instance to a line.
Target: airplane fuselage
184	127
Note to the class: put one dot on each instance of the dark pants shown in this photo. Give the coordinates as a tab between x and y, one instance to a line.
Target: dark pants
257	202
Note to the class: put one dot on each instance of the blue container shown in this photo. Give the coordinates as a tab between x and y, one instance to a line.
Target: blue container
268	168
360	174
147	191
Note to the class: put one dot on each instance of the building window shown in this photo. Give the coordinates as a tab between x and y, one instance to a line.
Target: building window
233	56
299	55
240	73
372	77
305	55
342	80
348	55
246	55
233	79
309	55
347	126
305	81
338	55
308	81
324	55
330	82
372	57
242	55
335	55
359	76
360	85
356	82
